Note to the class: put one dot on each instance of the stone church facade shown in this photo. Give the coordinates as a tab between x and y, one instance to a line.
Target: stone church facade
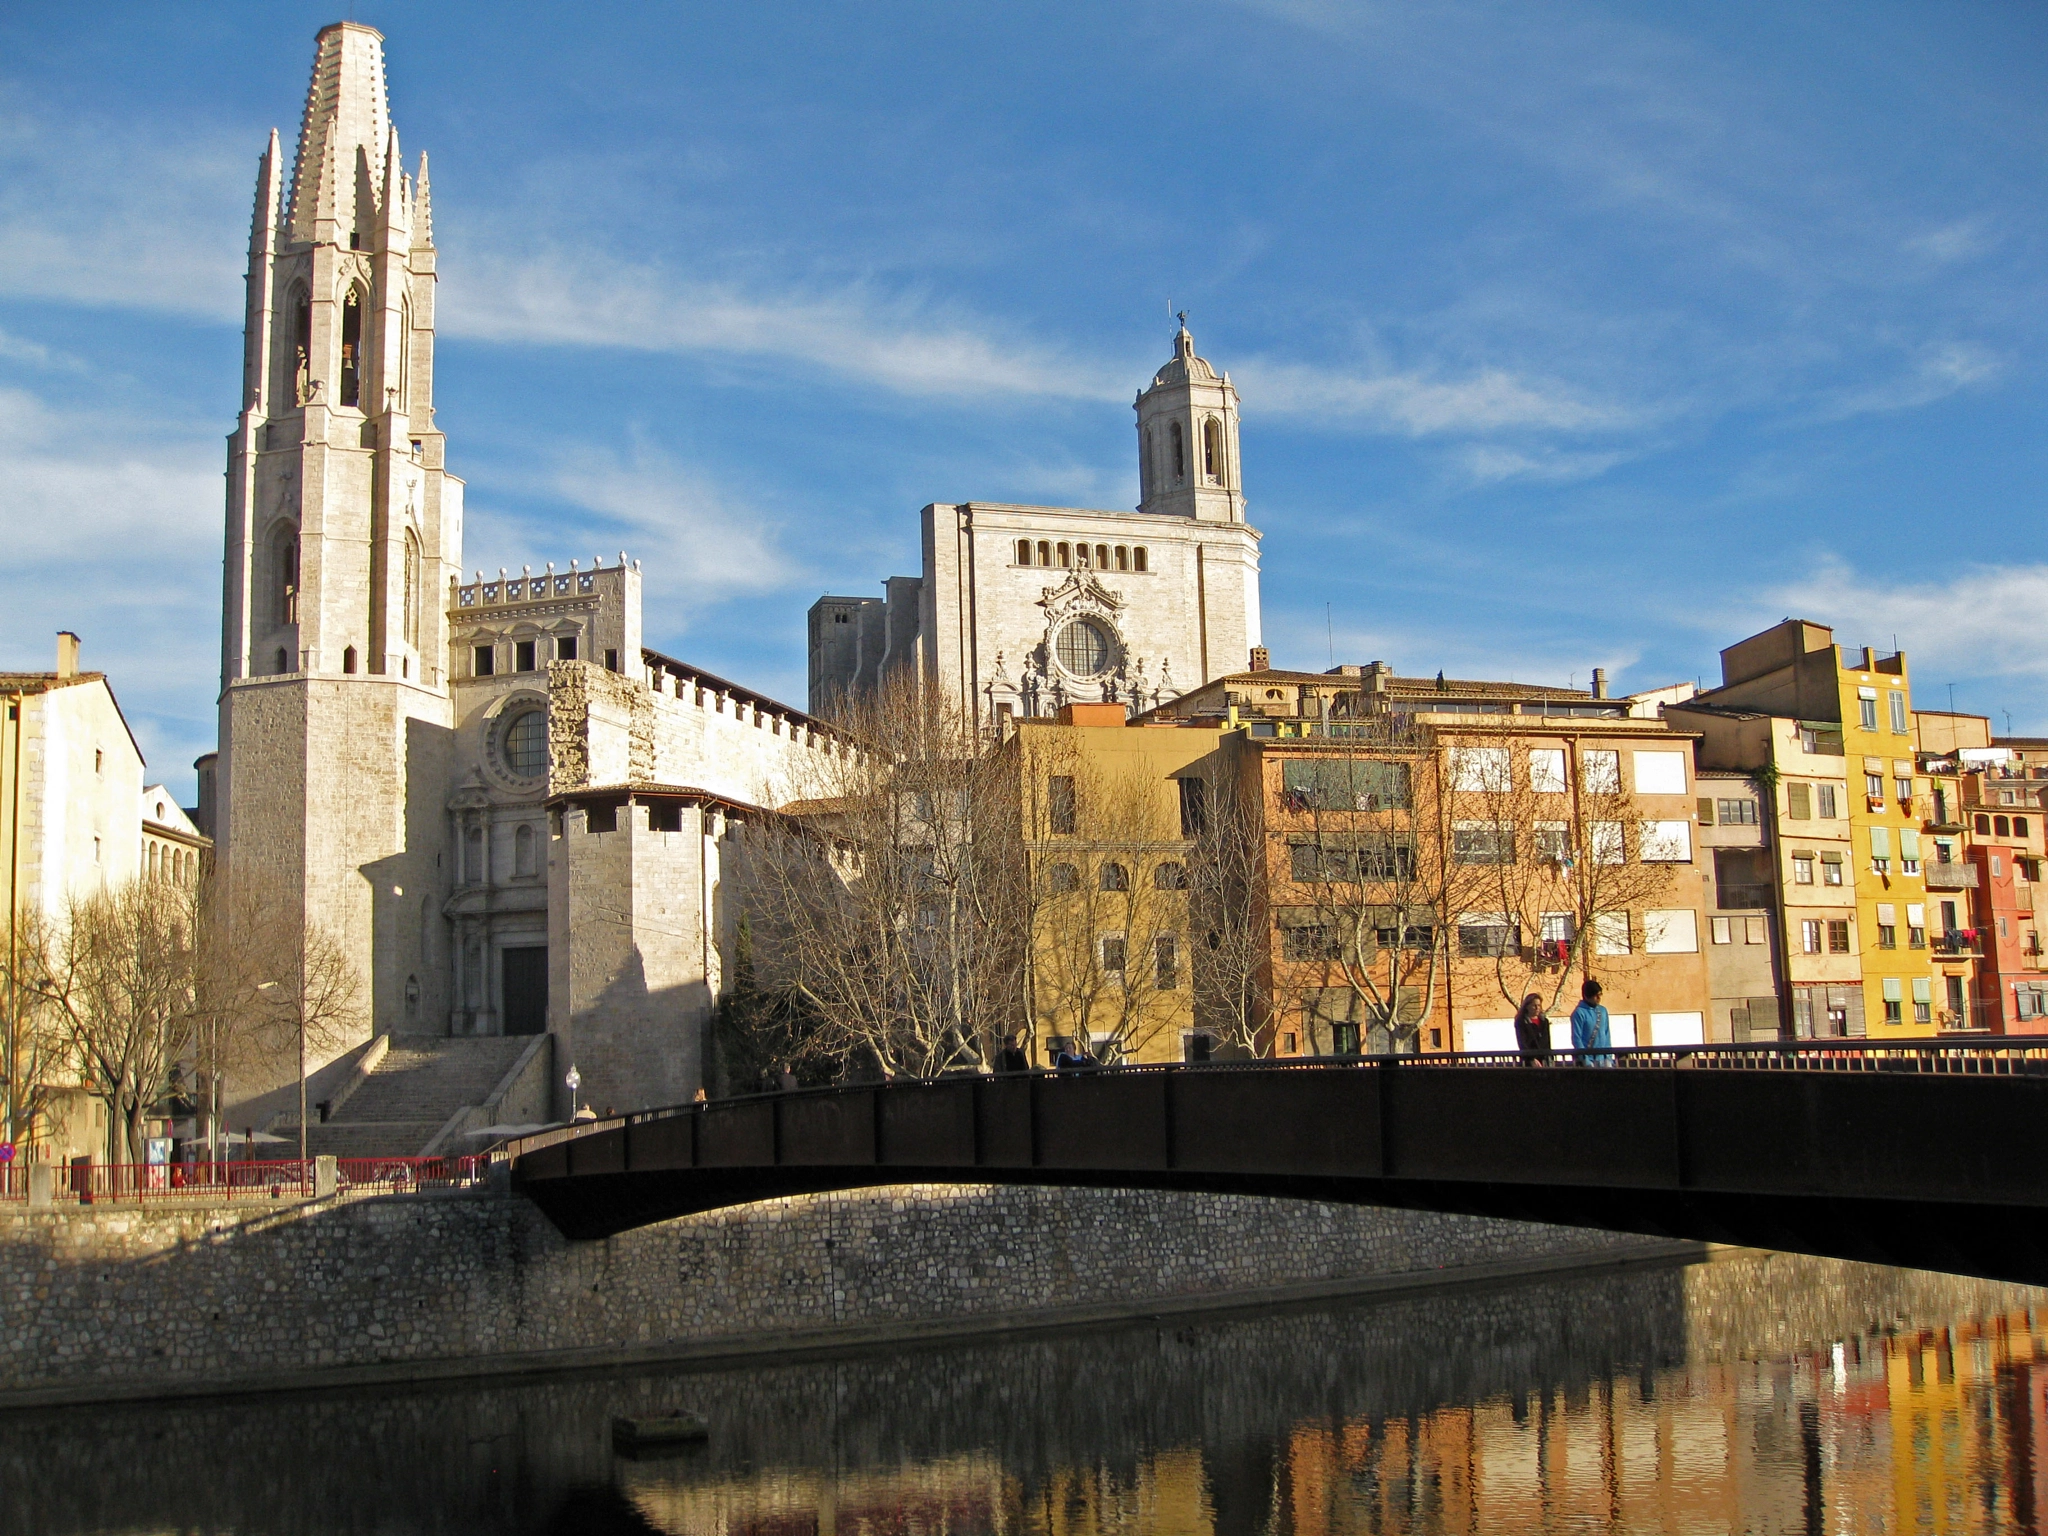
512	816
1022	609
507	810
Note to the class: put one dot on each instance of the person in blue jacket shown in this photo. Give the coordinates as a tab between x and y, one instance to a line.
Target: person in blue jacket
1590	1036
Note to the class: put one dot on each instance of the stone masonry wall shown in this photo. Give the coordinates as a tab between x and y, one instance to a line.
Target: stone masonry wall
115	1296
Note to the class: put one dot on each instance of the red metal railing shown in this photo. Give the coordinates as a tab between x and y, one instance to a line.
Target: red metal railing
88	1183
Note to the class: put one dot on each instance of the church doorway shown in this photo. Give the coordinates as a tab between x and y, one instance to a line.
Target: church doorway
525	981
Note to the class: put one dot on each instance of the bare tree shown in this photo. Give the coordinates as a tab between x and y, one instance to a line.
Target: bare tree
1230	907
120	973
40	1054
311	996
1566	852
1109	926
1365	828
890	894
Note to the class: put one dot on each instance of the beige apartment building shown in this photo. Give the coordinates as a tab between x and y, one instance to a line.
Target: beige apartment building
1808	852
1738	872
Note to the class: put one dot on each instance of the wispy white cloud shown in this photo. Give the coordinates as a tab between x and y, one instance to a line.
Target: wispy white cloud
1492	464
1936	372
1958	241
585	298
123	216
1984	621
114	531
693	535
1416	403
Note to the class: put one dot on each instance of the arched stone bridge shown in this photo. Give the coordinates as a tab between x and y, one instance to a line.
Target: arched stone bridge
1925	1157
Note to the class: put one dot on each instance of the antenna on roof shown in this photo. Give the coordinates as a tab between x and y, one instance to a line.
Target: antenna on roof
1330	630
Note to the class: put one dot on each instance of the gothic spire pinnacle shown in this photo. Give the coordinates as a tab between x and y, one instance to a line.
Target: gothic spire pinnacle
344	125
391	209
423	208
269	181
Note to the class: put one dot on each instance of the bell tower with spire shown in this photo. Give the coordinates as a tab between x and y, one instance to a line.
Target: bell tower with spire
343	532
1187	439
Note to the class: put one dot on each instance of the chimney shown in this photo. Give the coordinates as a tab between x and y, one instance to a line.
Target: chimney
67	653
1599	682
1260	659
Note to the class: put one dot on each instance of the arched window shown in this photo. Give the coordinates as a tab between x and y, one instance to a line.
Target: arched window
352	348
2001	826
284	663
404	396
1044	553
348	658
295	364
1102	557
1023	551
2019	826
1145	465
1212	450
473	855
1081	556
284	562
412	589
1138	558
1180	455
522	851
1123	558
1984	826
1062	879
152	861
1171	877
1066	554
1115	877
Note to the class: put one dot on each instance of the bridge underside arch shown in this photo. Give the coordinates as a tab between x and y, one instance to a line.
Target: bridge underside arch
1923	1172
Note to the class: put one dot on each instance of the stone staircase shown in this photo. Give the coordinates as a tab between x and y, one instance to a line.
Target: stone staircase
410	1094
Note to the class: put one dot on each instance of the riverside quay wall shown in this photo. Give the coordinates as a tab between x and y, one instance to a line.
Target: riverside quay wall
168	1299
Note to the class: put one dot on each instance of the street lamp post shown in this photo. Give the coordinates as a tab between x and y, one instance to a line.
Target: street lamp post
575	1081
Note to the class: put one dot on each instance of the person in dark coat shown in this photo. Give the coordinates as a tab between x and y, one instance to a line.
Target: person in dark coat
1532	1031
1013	1057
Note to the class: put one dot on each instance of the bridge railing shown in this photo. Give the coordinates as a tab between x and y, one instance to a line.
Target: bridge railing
1977	1057
87	1183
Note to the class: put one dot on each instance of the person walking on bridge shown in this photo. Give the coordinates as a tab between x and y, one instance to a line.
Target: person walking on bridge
1591	1037
1532	1032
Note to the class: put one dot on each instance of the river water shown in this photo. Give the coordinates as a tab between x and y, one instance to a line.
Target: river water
1759	1393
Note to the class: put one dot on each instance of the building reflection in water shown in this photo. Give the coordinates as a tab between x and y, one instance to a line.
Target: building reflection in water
1761	1393
1883	1428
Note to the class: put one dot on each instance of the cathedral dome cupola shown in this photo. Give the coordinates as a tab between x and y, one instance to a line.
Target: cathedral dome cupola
1187	439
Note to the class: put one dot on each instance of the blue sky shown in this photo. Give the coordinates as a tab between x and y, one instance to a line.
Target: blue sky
1568	335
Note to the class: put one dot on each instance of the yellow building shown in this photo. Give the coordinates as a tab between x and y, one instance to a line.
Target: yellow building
1861	699
1110	814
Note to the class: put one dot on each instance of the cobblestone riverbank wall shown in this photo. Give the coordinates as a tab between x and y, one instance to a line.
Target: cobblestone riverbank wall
117	1301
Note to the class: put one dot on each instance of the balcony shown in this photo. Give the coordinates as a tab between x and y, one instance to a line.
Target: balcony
1958	944
1740	898
1950	877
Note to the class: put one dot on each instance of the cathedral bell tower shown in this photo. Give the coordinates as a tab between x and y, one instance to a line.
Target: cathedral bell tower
343	531
1187	440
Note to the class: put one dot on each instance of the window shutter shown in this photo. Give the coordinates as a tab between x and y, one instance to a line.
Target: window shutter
1880	842
1799	802
1909	843
1706	811
1888	914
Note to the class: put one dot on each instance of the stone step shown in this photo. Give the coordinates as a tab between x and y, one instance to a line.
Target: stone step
424	1078
376	1138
